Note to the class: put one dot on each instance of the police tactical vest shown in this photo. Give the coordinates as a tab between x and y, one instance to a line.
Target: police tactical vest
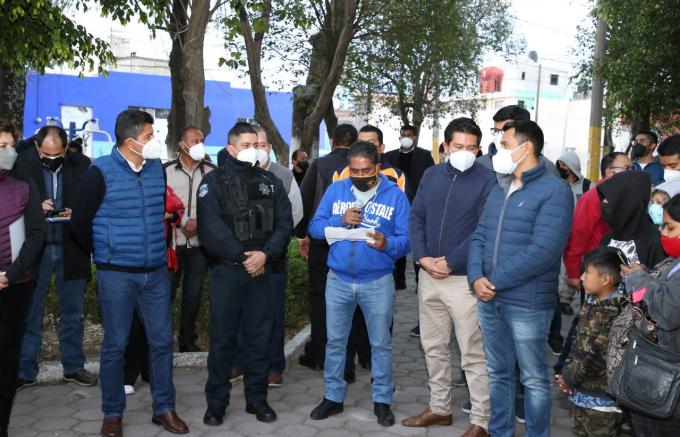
248	205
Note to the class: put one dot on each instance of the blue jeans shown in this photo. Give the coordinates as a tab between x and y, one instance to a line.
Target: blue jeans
376	299
71	296
516	334
120	293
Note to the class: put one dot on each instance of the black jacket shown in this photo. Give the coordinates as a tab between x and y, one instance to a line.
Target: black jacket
319	176
421	160
218	237
29	168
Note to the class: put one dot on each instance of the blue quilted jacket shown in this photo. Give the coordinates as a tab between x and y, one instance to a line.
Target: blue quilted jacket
519	240
128	229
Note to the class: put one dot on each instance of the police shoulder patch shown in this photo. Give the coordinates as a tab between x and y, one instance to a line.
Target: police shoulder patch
203	190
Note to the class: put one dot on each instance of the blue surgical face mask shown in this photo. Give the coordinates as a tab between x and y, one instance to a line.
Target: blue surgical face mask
655	211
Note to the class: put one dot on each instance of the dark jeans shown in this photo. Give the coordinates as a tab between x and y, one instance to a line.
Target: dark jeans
71	297
120	295
555	333
318	271
277	361
193	266
14	303
136	353
400	271
238	301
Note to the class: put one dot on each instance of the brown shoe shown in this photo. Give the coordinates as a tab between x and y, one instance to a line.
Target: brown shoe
171	422
475	431
427	418
275	380
112	427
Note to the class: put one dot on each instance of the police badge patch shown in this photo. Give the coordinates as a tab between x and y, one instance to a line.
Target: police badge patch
203	190
264	189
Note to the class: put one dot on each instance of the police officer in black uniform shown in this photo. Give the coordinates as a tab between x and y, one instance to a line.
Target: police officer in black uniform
245	223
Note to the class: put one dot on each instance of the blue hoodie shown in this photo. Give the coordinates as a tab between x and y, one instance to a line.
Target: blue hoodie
355	261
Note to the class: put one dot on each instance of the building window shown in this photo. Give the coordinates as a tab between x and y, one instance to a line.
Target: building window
497	85
521	104
524	75
554	79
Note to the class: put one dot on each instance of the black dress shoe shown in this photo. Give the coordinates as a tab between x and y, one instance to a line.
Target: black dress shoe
262	411
326	409
350	377
189	348
212	417
307	361
384	414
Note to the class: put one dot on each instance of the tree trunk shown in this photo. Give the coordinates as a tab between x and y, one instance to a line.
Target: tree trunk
186	70
12	97
329	52
253	45
304	97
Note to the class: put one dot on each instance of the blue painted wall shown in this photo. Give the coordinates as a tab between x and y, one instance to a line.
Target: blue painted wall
108	96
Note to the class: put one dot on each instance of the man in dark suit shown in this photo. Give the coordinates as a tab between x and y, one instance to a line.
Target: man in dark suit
54	171
413	161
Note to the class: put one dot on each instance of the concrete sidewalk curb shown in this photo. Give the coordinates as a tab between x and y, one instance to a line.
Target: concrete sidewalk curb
51	371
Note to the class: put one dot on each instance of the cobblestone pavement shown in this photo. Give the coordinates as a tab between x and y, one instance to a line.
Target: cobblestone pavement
70	410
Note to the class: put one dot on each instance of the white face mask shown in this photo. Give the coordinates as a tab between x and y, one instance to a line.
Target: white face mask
262	158
197	151
462	160
248	155
671	175
8	157
406	143
502	160
150	150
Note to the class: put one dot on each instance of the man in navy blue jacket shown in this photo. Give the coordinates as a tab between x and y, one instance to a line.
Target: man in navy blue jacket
444	215
513	267
360	273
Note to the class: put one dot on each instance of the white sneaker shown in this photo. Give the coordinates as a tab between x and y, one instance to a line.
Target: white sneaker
129	390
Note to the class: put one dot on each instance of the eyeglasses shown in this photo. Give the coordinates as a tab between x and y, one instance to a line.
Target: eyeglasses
495	131
616	170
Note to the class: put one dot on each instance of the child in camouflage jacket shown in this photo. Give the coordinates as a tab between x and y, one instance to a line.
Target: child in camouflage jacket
584	377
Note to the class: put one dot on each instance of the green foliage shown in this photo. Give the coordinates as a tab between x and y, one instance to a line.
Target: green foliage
37	35
423	53
296	297
641	68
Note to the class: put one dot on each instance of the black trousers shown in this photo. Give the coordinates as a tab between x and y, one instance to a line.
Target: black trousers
238	301
193	266
14	303
318	270
136	353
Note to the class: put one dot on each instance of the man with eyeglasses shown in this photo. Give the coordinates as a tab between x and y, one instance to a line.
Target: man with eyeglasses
503	116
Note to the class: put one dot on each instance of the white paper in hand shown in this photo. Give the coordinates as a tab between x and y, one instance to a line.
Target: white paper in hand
333	235
17	236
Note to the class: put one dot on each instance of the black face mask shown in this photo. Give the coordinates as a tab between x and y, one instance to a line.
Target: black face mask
364	183
607	213
638	151
563	173
52	164
304	165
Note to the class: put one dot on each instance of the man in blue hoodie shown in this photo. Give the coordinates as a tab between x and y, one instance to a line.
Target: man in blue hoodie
444	215
513	267
361	273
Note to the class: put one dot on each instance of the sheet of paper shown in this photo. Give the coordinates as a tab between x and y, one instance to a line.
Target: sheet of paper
17	236
333	235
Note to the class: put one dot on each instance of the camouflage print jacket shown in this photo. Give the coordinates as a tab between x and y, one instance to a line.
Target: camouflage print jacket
586	367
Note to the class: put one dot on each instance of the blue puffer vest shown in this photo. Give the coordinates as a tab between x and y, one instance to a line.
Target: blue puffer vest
128	229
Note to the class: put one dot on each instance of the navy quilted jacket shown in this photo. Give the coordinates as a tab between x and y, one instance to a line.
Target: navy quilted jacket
519	240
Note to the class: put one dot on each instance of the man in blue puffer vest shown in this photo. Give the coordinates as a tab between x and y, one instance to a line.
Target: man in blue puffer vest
118	216
360	273
513	267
